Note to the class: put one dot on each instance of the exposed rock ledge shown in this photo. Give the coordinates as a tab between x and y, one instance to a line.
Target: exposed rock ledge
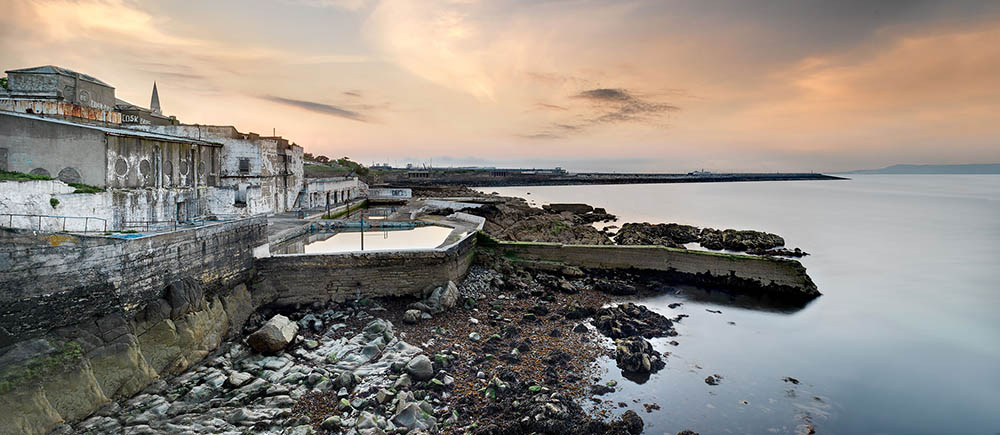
73	371
676	235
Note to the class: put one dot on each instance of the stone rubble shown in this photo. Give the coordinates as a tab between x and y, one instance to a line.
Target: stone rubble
238	390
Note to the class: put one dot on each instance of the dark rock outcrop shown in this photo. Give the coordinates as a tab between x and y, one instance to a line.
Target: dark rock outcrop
676	235
739	240
627	320
636	355
513	219
574	208
779	252
672	235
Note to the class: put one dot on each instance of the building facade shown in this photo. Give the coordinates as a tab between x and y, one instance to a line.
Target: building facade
58	123
258	174
146	177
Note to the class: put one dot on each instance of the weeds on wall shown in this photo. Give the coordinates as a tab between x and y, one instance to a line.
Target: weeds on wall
14	375
21	176
85	188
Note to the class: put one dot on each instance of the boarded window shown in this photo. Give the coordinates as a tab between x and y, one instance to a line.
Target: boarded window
244	166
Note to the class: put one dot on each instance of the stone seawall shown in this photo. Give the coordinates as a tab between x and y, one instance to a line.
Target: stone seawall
308	278
87	319
781	278
71	372
50	280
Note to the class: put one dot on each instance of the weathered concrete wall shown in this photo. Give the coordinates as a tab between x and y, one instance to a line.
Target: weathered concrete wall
85	320
320	192
53	280
749	274
307	278
78	90
52	148
268	186
135	162
61	109
112	207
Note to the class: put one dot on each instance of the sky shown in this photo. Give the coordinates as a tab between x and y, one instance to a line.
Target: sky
588	85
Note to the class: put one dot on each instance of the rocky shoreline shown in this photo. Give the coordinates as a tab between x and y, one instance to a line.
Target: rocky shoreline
510	351
513	219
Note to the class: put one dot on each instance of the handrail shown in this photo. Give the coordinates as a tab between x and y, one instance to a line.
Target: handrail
145	225
86	220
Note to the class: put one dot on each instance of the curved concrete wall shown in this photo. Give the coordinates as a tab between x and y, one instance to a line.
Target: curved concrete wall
307	278
746	273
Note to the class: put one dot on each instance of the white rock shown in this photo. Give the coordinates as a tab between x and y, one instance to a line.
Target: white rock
274	335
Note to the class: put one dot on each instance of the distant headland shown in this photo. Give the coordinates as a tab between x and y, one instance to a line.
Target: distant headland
988	168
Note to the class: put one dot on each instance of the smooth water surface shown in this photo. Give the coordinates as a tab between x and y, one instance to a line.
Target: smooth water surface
905	339
375	240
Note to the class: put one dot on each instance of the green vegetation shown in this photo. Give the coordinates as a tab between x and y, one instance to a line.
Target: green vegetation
53	202
21	176
85	188
3	82
356	167
18	374
324	171
323	166
558	227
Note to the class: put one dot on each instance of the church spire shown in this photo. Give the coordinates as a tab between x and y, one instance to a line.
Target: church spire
154	102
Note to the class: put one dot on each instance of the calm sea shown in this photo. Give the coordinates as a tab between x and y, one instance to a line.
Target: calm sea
904	340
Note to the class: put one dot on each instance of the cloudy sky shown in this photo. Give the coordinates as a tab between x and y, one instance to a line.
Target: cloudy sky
655	85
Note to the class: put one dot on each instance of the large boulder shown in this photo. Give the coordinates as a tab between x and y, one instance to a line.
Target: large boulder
420	368
274	335
449	296
443	298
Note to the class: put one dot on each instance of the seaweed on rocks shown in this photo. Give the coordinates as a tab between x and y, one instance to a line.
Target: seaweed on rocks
628	320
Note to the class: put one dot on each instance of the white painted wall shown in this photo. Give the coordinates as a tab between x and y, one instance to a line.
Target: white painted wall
113	207
316	190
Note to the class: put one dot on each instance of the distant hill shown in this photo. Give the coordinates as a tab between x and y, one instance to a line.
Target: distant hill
989	168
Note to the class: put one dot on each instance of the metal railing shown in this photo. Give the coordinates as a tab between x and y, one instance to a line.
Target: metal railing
148	225
99	227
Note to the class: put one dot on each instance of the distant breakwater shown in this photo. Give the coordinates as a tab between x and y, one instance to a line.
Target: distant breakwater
485	179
